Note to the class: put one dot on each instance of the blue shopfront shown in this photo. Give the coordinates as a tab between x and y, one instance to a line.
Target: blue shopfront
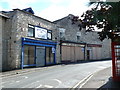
37	53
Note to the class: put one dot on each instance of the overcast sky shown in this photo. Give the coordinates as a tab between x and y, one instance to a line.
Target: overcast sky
48	9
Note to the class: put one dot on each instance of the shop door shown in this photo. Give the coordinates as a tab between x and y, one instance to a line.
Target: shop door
88	54
40	56
49	56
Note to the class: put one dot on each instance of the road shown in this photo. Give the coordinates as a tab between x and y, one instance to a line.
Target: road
60	76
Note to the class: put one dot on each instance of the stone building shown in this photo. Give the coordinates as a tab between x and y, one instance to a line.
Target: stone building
77	44
30	40
3	39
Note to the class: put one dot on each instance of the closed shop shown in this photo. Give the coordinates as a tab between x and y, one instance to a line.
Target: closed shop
71	52
49	56
29	55
93	52
37	53
40	56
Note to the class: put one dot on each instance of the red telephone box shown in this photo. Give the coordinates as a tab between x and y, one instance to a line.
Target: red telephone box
116	61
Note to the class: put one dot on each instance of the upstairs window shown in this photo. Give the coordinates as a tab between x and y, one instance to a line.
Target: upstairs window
31	31
78	37
78	34
49	35
62	33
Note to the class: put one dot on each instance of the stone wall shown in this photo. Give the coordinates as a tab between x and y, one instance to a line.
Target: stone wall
17	26
93	38
86	37
71	29
4	41
1	28
19	21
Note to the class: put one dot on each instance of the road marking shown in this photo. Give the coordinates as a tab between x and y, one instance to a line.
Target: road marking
81	82
26	86
39	86
25	77
8	82
102	67
58	81
17	81
48	86
85	80
91	77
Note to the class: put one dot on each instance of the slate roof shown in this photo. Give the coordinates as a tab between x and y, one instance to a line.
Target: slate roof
29	10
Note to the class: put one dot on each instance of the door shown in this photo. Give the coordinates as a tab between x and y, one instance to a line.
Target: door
88	54
40	56
49	56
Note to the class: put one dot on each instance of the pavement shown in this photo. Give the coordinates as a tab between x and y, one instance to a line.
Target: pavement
99	80
25	70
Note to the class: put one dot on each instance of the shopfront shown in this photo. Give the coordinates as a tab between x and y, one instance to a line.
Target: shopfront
72	52
93	51
37	53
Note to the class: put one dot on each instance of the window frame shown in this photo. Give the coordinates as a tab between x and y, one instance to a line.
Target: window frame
32	27
49	31
62	33
78	38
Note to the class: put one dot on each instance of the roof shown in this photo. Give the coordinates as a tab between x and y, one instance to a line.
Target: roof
32	15
69	16
3	15
29	10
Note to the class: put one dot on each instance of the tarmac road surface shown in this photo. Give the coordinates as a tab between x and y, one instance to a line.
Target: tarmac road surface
60	76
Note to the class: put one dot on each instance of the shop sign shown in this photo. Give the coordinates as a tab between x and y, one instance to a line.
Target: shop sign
82	49
40	33
53	50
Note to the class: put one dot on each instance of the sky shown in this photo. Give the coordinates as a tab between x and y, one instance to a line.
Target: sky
48	9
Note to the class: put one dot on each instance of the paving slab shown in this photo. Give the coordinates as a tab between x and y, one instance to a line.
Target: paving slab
102	79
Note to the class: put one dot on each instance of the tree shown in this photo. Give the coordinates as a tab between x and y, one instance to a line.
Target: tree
105	16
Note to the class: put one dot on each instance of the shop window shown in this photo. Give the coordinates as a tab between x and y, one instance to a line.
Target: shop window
29	55
31	31
49	56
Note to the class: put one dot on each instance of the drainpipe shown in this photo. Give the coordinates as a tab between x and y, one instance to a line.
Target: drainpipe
85	52
60	51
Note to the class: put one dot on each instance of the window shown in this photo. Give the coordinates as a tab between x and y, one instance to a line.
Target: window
29	55
49	55
78	34
49	35
62	33
39	32
31	31
78	37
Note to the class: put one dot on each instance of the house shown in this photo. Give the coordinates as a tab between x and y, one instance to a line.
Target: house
77	44
30	40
